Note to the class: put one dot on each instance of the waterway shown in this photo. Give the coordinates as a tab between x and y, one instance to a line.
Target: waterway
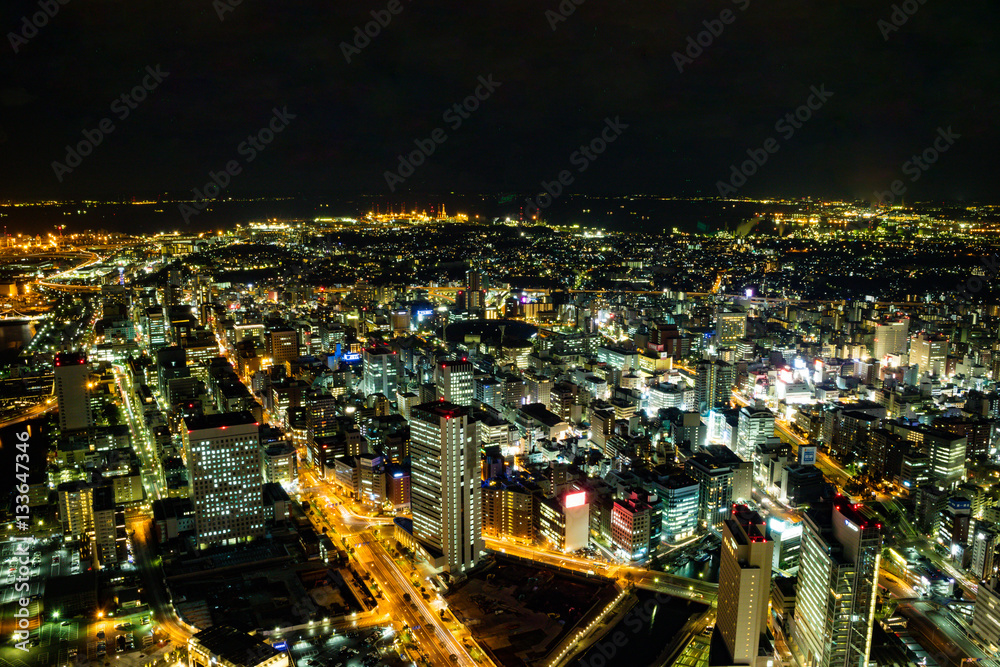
644	632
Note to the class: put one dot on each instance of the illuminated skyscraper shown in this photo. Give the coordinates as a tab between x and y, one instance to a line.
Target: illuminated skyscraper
890	338
929	352
381	371
72	392
225	477
445	492
835	596
454	381
744	586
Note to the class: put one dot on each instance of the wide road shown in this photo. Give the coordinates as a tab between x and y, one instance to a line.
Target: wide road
426	625
697	590
154	589
32	413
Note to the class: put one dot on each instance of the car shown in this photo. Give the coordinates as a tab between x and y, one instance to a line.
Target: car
123	626
64	623
100	634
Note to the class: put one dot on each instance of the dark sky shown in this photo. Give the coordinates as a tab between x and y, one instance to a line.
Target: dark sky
607	59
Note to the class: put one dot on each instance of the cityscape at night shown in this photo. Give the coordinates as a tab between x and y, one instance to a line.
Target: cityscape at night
559	334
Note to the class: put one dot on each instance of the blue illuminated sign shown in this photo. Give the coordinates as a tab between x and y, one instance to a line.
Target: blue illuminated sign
350	357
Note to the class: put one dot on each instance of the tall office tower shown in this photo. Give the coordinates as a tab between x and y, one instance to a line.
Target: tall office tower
380	371
986	614
154	328
475	295
985	551
445	493
171	364
744	586
716	470
281	345
109	528
72	392
947	455
225	478
714	384
730	326
835	596
890	338
754	428
454	380
929	352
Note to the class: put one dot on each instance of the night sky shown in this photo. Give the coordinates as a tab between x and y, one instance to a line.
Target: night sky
607	59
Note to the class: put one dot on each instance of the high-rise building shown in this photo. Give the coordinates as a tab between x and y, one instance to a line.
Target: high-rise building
985	551
754	428
281	345
76	510
225	477
744	586
72	391
564	521
730	325
714	384
445	493
109	528
679	494
929	352
454	380
508	509
715	470
380	371
838	573
475	295
986	615
636	525
890	338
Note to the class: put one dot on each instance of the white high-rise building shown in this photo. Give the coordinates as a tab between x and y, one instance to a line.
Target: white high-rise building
835	593
454	381
380	372
225	477
445	493
744	586
72	391
753	428
929	352
891	338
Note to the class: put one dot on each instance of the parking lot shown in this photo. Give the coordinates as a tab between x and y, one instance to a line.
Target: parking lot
49	560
